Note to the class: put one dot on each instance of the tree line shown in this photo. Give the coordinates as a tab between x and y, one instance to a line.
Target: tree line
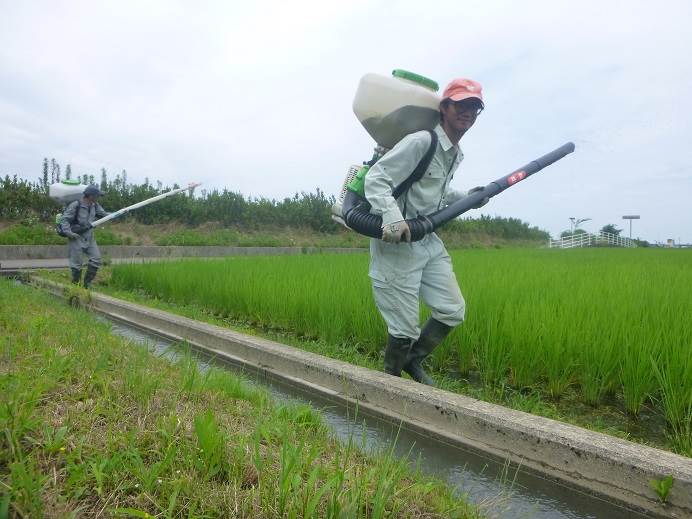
21	198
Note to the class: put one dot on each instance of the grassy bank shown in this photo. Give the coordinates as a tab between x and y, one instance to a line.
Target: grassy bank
599	336
92	424
129	232
44	234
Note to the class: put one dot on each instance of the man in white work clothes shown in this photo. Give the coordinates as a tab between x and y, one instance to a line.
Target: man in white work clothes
402	271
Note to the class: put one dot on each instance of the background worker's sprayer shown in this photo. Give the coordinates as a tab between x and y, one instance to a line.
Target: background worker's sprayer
69	191
390	108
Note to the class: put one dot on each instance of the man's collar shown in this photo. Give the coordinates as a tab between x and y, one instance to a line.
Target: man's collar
443	138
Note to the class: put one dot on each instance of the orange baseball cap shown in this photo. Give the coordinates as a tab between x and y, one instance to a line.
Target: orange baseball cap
462	88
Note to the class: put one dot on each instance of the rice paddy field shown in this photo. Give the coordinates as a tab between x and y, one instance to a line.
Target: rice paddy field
611	326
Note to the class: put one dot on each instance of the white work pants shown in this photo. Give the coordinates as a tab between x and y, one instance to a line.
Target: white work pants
402	273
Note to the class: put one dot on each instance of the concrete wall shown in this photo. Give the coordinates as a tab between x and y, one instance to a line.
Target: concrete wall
22	252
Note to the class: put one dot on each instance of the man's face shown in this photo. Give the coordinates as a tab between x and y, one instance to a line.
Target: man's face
460	115
90	200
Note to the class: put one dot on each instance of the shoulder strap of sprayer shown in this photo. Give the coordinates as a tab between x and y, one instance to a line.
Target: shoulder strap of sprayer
75	218
421	168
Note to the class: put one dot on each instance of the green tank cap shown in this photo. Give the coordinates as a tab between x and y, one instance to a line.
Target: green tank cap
71	182
416	78
357	185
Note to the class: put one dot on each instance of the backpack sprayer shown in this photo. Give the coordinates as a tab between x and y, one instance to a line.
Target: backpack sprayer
390	108
69	191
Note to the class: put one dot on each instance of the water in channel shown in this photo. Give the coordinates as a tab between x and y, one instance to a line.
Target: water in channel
501	490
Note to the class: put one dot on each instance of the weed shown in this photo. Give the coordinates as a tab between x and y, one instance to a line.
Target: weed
662	487
84	433
212	454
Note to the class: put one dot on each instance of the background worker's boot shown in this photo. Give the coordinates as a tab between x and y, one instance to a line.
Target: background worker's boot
432	334
90	275
396	354
76	276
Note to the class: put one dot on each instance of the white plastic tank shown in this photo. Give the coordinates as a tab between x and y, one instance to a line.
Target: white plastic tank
66	191
390	107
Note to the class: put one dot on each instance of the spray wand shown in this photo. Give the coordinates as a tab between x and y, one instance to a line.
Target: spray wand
148	201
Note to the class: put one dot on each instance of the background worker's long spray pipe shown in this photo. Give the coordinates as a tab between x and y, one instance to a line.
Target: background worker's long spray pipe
356	210
148	201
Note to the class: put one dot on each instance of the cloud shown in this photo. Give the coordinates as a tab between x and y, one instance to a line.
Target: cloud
257	96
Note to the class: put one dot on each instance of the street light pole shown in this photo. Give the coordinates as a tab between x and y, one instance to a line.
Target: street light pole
631	217
580	221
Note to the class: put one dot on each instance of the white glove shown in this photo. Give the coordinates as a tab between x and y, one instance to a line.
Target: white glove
482	202
394	232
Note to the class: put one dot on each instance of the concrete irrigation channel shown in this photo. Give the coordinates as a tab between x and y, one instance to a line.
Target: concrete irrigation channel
588	474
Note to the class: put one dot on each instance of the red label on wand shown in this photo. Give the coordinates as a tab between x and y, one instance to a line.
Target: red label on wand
516	177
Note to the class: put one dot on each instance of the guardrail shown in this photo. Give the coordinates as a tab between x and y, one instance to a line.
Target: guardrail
584	239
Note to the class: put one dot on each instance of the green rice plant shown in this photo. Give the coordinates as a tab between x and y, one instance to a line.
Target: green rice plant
637	377
493	357
553	320
674	374
558	362
525	360
597	369
302	293
464	352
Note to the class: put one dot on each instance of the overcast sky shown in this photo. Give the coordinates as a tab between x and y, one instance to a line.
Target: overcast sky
256	96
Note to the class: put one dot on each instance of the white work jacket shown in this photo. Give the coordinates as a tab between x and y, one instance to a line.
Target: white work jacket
423	197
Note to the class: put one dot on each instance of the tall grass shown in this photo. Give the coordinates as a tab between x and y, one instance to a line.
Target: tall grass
44	234
609	323
81	437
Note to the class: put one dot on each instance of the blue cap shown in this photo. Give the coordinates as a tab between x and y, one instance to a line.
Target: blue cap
92	190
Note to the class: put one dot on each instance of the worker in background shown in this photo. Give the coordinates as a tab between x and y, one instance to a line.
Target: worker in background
76	225
402	271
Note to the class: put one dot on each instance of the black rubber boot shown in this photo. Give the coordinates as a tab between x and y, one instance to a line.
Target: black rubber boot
76	276
432	334
396	354
90	275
